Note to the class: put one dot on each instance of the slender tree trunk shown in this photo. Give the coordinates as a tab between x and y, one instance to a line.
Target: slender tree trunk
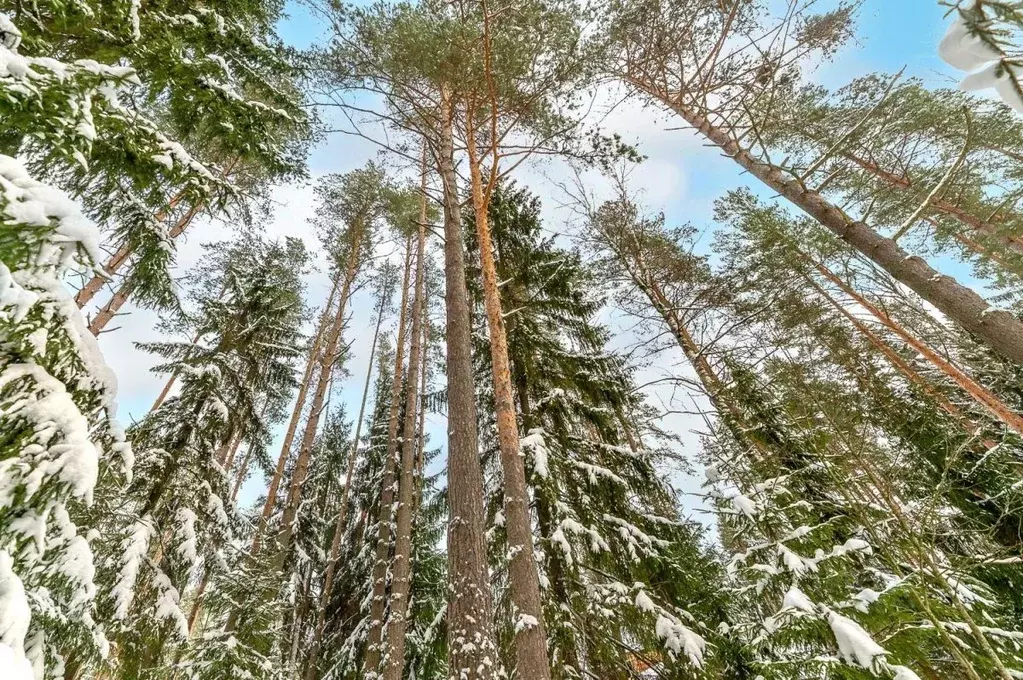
374	645
530	639
327	360
999	329
901	364
421	432
980	394
242	472
472	653
342	517
401	566
296	416
121	295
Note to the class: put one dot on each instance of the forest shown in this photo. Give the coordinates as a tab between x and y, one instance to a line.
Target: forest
511	339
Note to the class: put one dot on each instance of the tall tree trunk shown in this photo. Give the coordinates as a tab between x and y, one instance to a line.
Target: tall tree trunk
980	394
999	329
472	652
401	565
342	517
379	596
296	416
421	431
524	584
327	361
121	295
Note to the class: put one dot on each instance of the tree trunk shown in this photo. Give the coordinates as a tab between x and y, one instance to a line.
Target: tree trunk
110	310
296	416
379	600
342	517
524	584
472	653
977	392
327	360
401	566
421	432
999	329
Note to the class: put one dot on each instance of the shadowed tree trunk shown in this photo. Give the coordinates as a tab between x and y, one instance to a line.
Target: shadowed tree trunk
335	545
296	416
379	597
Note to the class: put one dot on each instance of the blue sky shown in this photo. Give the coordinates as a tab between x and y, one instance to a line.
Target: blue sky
681	177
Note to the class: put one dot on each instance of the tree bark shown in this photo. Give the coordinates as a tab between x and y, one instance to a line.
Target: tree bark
980	394
335	545
401	565
531	659
371	663
472	652
296	416
999	329
121	295
327	360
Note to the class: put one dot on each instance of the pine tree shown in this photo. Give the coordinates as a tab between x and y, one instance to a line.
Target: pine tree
700	86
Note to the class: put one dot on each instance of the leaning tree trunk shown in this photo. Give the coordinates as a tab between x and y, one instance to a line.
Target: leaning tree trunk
327	360
121	295
401	565
524	584
974	223
472	652
371	663
999	329
980	394
342	517
296	416
968	424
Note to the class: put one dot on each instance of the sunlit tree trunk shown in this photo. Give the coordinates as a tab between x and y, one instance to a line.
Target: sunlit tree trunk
524	584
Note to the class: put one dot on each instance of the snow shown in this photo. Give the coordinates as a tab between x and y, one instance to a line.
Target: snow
995	75
903	673
14	611
135	547
525	622
797	599
535	444
964	50
644	603
855	645
188	547
14	664
679	639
